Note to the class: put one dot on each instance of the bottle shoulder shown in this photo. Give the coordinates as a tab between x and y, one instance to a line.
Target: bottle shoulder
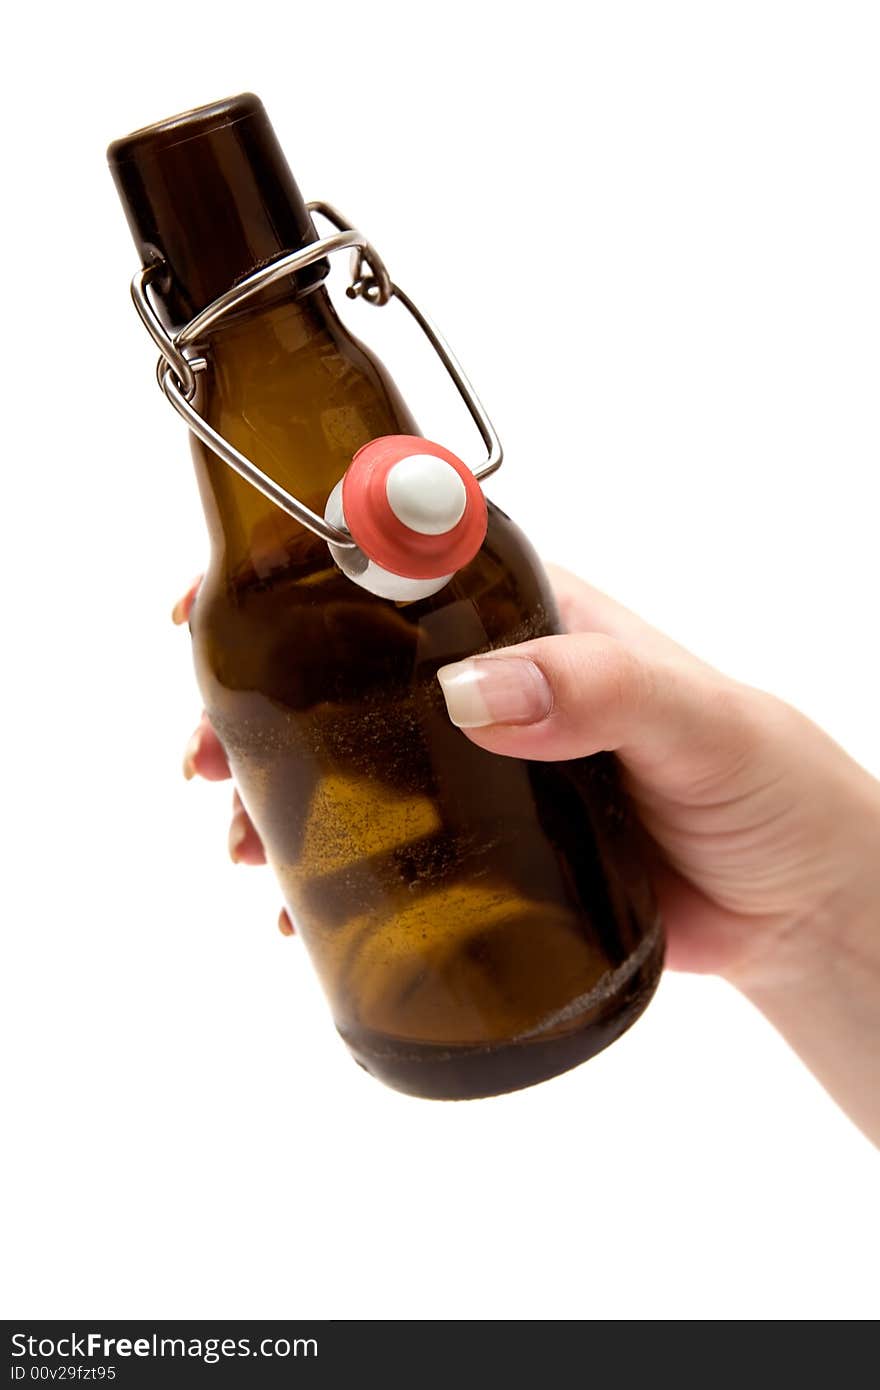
295	354
303	630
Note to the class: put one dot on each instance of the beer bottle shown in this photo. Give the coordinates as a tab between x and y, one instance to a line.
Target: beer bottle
479	923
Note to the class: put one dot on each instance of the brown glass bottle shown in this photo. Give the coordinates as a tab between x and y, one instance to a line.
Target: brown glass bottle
479	923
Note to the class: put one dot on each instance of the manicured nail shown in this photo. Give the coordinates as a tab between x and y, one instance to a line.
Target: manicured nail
285	926
495	690
183	607
192	752
237	835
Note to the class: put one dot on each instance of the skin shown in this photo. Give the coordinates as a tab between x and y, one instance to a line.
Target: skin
768	832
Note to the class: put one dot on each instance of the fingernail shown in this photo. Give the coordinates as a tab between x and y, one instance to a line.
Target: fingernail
192	752
237	835
285	926
183	607
495	690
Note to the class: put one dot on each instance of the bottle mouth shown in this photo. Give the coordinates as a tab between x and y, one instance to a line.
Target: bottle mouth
187	125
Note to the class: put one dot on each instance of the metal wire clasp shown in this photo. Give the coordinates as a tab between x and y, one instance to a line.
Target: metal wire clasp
177	370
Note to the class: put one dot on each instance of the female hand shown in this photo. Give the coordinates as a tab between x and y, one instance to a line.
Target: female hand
204	757
769	833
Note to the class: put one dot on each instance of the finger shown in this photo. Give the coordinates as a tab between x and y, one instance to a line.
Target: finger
204	756
702	935
245	845
570	696
584	608
183	607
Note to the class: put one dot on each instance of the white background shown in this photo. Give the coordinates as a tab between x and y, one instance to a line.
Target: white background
653	234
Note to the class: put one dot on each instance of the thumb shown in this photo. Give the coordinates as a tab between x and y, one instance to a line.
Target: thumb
573	695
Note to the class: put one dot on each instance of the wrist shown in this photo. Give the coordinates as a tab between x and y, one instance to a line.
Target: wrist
819	986
836	932
822	997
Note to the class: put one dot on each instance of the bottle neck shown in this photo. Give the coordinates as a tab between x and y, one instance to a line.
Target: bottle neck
210	197
291	388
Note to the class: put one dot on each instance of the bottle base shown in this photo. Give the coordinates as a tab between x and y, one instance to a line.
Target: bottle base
436	1071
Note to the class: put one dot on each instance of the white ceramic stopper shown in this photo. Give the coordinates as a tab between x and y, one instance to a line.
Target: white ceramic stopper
426	494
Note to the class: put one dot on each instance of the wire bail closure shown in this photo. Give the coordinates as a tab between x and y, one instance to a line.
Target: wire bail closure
177	372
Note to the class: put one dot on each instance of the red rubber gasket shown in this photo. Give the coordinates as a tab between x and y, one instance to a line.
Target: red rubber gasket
383	537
